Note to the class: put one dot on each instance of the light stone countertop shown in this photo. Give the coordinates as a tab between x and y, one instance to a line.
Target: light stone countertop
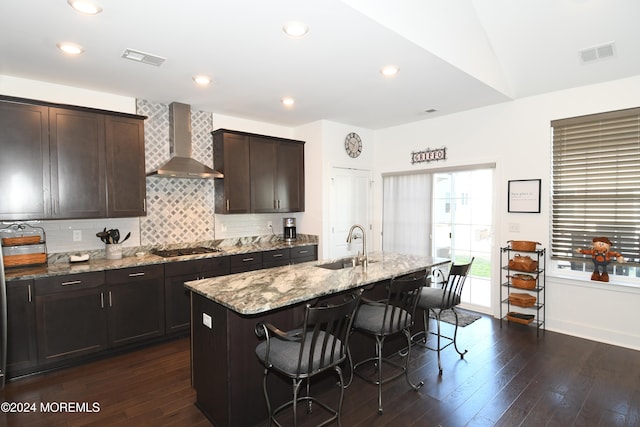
261	291
98	262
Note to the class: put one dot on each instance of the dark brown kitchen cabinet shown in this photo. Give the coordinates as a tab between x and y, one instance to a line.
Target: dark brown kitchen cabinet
135	304
231	157
22	355
277	175
71	316
266	174
63	162
77	149
241	263
276	258
300	254
126	185
24	163
177	303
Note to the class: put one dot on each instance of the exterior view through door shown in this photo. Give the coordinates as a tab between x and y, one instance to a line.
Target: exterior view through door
446	214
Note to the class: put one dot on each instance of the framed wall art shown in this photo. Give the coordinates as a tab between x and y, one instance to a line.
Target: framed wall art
524	195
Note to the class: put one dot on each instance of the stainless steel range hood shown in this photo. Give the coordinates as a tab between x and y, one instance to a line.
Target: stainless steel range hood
181	164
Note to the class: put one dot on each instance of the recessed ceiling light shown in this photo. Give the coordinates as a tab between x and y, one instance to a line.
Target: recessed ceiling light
389	71
288	102
202	80
295	29
85	6
70	48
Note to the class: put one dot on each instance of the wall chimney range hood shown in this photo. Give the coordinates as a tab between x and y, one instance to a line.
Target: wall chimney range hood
181	164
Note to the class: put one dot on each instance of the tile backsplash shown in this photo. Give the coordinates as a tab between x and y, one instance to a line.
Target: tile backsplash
179	210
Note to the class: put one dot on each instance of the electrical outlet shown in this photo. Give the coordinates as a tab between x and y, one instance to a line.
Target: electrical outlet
514	227
207	320
270	224
77	235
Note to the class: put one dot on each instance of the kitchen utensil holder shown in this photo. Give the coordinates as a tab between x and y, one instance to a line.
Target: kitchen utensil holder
114	251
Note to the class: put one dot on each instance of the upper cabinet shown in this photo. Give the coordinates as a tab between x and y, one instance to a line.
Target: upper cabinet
25	179
77	150
231	157
126	179
266	176
69	162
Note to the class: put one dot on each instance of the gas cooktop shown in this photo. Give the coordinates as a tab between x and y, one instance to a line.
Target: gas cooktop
168	253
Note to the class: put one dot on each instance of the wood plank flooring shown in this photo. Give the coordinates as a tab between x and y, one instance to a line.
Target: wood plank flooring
509	378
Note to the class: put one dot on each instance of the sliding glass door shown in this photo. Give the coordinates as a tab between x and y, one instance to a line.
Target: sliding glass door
462	227
445	214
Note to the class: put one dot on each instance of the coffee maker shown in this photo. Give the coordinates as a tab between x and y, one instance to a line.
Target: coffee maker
289	229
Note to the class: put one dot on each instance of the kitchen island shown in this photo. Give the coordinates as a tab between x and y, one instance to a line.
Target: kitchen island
226	374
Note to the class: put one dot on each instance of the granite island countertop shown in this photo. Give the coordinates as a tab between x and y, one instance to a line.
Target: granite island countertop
62	266
260	291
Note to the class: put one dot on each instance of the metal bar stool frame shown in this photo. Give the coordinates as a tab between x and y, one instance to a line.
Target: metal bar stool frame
389	317
437	300
320	345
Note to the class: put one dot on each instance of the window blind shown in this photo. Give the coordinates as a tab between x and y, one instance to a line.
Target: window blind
596	183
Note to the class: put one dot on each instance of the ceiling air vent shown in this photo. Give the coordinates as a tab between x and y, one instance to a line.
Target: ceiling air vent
597	52
147	58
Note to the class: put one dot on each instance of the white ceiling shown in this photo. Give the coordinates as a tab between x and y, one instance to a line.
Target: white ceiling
453	55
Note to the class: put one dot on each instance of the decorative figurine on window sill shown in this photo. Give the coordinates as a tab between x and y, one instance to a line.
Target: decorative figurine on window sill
601	256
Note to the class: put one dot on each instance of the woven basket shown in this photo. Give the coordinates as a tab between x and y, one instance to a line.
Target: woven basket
522	299
523	245
523	281
512	318
523	263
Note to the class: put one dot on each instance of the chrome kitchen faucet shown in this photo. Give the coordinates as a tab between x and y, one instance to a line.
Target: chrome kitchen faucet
359	259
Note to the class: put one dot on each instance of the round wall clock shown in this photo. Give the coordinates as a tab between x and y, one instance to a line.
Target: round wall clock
353	144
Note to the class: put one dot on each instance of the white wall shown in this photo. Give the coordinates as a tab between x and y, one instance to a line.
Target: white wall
516	136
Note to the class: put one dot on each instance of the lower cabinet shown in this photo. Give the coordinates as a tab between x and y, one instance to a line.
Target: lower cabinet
135	304
245	262
71	316
300	254
276	258
177	300
22	350
81	314
59	320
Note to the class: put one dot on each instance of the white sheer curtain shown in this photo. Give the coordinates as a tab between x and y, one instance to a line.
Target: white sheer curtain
406	211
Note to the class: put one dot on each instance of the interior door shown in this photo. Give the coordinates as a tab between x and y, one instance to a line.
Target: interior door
350	196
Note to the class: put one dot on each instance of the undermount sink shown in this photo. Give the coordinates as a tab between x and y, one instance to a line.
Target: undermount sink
339	264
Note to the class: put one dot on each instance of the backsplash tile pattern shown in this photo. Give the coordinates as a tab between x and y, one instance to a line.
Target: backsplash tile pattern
178	209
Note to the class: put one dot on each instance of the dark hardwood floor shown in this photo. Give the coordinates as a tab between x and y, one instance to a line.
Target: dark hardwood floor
509	378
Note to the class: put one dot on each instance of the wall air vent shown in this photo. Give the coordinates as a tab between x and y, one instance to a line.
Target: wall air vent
597	52
147	58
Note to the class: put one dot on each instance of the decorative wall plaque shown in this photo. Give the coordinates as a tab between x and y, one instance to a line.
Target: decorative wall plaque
429	155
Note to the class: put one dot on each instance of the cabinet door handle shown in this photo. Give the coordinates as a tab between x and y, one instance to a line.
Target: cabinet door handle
101	299
303	252
110	300
228	205
72	282
277	255
136	274
29	289
247	259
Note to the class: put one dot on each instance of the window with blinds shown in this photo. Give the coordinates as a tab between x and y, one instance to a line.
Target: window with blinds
596	187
